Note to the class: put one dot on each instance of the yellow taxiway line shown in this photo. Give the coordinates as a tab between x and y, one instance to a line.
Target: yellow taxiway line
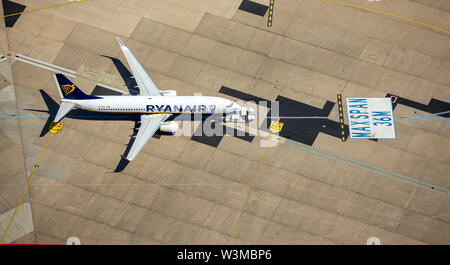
47	7
54	128
388	14
248	197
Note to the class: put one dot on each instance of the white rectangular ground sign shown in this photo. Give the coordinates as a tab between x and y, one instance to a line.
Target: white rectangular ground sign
370	118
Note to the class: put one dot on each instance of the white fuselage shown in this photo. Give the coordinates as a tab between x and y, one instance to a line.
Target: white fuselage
158	104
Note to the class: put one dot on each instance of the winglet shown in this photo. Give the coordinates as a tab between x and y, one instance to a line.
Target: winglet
122	46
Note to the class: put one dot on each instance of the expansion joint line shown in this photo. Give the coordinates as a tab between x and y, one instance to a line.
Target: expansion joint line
26	188
248	197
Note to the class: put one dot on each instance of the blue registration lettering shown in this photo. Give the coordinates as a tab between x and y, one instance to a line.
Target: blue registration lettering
150	107
359	116
355	111
357	100
360	106
381	113
168	109
178	108
360	135
366	129
359	122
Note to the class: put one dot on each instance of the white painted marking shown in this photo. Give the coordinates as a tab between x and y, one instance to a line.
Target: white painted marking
7	94
370	118
21	225
73	241
373	241
114	89
45	63
44	67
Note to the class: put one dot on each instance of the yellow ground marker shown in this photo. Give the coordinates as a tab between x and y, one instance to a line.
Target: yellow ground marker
47	7
341	116
269	18
54	128
248	197
388	14
276	126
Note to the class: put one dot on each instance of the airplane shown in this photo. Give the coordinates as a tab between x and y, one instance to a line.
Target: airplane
154	106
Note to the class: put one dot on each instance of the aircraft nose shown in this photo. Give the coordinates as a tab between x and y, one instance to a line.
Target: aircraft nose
251	114
234	105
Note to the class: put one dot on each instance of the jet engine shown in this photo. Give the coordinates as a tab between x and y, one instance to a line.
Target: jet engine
169	126
169	93
243	114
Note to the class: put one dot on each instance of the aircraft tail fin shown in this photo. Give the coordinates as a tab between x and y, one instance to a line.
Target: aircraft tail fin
69	90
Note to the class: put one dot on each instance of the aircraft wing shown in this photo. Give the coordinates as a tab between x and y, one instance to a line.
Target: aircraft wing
146	85
150	123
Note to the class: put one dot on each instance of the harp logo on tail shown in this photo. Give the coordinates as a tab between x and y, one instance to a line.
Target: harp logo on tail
68	88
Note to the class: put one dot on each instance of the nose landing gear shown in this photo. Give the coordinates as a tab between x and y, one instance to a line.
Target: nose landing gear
243	114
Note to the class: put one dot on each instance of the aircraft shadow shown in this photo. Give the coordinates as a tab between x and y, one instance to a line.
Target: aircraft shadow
126	75
80	114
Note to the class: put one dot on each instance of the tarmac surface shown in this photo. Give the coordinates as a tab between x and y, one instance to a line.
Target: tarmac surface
308	188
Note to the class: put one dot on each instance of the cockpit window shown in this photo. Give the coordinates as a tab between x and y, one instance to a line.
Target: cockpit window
229	106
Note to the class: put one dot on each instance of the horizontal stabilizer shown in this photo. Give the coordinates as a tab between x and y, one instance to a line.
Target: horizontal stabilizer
63	110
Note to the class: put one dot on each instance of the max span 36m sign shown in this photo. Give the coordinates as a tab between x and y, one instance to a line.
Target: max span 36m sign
370	118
